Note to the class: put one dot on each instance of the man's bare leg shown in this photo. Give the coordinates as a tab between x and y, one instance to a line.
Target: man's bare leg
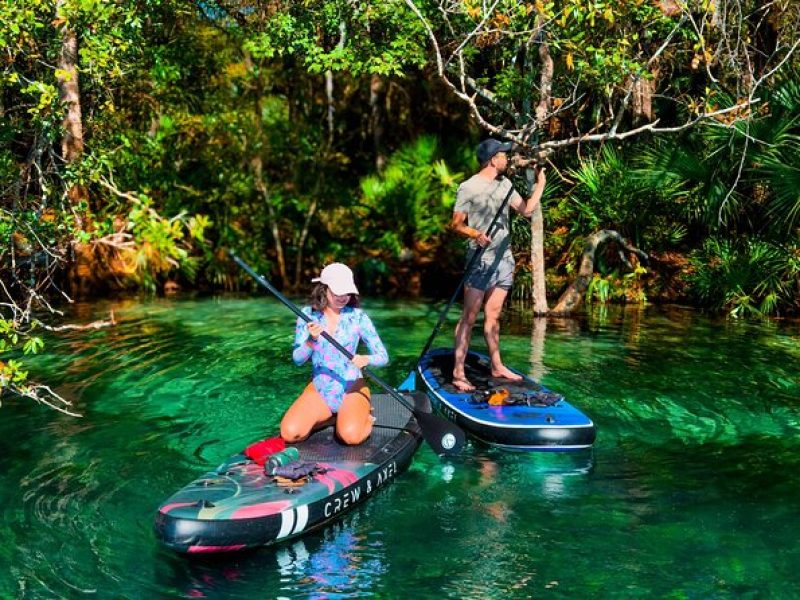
473	299
495	297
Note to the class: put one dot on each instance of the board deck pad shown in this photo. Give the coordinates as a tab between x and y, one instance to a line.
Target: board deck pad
478	371
389	415
238	506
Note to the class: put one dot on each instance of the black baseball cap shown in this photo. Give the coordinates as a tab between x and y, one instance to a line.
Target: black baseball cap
489	147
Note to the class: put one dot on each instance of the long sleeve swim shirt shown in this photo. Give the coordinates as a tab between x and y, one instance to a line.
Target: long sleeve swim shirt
332	372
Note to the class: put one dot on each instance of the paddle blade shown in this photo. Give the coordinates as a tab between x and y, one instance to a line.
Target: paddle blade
443	436
409	383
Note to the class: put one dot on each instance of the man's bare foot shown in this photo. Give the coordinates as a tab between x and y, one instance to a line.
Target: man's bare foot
462	384
506	373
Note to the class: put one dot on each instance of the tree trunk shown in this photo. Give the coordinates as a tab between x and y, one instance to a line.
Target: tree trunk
72	142
643	100
261	185
573	295
70	96
257	165
298	263
546	79
331	108
642	97
537	261
539	291
329	87
376	99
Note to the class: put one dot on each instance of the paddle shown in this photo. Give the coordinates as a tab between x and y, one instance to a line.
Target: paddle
410	381
442	435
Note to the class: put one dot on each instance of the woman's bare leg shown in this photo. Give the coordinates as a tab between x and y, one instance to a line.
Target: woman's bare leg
303	415
354	419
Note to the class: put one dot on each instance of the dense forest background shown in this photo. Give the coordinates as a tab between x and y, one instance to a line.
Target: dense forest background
141	140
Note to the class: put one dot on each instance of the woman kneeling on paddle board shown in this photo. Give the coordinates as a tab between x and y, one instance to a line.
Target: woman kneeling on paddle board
337	386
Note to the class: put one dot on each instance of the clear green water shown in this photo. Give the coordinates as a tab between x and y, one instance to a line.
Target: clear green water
691	492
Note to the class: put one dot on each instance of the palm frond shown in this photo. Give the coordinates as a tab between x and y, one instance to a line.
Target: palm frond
784	205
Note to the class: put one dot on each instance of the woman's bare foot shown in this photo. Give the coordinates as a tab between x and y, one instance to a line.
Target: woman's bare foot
506	373
462	384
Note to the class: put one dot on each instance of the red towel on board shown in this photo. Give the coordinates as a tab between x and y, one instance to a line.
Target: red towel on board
260	451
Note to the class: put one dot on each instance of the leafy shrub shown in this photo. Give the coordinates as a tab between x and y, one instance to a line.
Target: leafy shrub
410	202
616	190
628	287
746	277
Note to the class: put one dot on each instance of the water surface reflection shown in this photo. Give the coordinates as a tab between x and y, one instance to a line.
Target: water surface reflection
689	492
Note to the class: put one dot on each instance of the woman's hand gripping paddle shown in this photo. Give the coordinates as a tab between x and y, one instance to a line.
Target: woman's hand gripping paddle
442	435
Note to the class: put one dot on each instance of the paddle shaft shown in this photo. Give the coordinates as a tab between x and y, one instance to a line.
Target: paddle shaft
473	259
293	307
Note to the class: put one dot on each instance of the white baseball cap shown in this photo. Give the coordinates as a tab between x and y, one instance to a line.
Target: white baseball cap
339	278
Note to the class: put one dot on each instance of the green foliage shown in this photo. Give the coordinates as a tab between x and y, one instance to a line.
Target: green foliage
603	40
599	289
733	182
206	127
33	33
38	219
410	203
776	165
370	37
615	287
163	244
17	337
595	47
523	285
610	192
741	176
13	338
746	277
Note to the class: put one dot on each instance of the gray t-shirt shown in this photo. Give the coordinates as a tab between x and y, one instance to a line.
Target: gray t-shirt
480	199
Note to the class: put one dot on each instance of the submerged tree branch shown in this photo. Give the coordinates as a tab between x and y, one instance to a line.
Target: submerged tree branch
42	394
99	324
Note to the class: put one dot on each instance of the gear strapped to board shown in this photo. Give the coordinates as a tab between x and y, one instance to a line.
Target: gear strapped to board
503	397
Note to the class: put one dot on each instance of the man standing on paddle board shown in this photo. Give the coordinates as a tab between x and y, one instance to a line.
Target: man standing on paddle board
478	200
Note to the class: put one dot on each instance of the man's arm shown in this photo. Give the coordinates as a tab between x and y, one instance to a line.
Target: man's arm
526	208
459	224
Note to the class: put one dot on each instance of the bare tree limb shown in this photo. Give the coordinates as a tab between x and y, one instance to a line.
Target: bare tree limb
573	295
110	322
42	394
647	128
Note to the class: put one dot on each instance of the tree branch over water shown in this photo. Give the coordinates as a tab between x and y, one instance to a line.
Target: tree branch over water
610	64
608	72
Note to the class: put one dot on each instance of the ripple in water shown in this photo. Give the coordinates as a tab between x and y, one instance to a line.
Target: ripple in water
689	491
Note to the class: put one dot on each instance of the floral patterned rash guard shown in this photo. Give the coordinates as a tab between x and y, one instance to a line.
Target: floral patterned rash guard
332	372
